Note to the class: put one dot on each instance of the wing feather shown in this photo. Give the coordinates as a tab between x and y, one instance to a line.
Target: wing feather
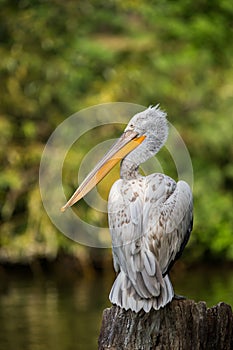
130	252
149	262
149	220
169	223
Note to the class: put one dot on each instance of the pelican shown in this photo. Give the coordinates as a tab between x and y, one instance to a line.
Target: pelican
150	217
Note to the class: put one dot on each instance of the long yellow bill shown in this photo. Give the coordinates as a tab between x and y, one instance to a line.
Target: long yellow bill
126	143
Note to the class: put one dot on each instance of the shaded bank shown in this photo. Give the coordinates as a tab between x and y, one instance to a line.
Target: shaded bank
212	281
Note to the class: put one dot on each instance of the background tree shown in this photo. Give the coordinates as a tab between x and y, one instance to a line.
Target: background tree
58	57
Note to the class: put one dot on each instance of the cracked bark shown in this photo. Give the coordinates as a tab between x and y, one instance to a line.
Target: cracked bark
181	325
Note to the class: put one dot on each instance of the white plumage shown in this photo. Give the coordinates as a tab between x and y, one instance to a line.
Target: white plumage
150	218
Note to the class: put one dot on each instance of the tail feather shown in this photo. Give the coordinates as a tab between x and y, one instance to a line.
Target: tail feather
124	295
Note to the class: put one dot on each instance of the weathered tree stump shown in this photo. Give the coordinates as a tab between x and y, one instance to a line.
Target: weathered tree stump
181	325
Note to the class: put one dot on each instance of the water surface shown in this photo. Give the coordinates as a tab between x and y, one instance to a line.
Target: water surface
42	314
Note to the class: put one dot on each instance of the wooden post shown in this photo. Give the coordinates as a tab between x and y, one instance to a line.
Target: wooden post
180	325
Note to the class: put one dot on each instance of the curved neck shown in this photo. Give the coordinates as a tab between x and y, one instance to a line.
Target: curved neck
130	164
129	170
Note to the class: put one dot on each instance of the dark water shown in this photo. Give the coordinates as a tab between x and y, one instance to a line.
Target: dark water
41	314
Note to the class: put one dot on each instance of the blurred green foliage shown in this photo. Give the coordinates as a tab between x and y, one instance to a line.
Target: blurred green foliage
58	57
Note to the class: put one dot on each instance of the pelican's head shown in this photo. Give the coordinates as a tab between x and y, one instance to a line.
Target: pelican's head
151	123
144	135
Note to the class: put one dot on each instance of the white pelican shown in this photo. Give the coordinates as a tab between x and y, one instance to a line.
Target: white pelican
150	217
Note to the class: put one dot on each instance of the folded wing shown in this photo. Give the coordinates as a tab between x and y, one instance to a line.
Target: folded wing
149	220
